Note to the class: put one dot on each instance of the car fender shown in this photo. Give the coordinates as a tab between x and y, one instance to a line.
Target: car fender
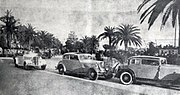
27	61
95	69
127	70
19	60
61	64
42	62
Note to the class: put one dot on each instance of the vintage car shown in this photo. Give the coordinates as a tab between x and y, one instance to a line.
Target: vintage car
148	68
46	55
30	60
83	64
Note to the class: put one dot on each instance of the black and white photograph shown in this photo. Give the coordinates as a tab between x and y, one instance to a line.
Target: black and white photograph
89	47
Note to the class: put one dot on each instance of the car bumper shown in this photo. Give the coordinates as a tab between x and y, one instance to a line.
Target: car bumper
101	73
35	66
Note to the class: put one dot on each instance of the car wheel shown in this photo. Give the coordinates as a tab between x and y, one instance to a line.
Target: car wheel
92	74
15	63
61	69
126	78
25	67
43	67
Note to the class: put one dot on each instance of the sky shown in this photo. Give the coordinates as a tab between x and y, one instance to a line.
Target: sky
85	17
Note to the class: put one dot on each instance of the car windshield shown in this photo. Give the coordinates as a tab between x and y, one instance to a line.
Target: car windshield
86	57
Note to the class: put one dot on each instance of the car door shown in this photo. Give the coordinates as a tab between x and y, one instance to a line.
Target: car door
66	62
149	69
20	60
75	65
135	65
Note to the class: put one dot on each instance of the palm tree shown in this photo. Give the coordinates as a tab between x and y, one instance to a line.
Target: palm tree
46	40
3	44
30	35
90	44
109	33
85	41
94	43
161	7
9	27
128	35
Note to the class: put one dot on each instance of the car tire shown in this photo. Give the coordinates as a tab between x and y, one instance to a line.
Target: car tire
43	67
24	66
126	78
61	69
15	63
92	74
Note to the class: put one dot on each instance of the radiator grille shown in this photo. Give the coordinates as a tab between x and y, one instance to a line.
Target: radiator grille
35	59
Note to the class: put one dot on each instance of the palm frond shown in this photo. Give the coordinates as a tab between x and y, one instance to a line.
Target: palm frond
142	5
174	15
166	15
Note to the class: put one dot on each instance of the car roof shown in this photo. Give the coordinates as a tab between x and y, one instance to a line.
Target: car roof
150	57
75	53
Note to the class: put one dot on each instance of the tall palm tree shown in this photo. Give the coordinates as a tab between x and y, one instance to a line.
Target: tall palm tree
3	44
128	35
94	43
30	35
85	41
161	7
109	33
9	27
90	44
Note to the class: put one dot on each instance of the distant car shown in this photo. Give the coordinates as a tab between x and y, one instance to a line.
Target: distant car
30	60
148	68
46	55
79	63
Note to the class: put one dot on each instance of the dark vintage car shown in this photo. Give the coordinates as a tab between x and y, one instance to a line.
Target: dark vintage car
148	68
46	55
83	64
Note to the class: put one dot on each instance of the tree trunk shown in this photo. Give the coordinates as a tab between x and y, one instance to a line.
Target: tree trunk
8	41
125	56
110	42
3	51
125	45
179	38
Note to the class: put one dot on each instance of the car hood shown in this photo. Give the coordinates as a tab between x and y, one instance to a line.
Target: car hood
30	55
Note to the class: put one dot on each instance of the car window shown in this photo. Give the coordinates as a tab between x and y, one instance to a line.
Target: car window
86	57
137	61
27	58
66	57
132	61
73	57
150	62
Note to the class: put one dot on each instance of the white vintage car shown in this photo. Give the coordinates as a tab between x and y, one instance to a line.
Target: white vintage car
30	60
149	68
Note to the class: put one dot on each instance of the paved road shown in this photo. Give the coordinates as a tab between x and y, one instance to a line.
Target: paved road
17	81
